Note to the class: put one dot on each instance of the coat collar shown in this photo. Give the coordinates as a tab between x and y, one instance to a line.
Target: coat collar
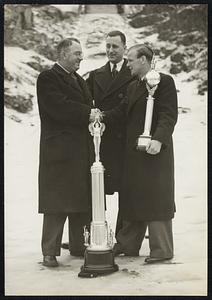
103	76
139	91
78	85
118	65
67	77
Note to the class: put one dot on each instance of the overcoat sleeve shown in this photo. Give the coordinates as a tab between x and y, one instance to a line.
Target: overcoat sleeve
59	106
117	114
167	111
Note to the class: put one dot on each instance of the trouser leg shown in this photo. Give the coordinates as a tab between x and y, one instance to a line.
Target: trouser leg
52	233
119	220
130	236
77	221
119	223
161	239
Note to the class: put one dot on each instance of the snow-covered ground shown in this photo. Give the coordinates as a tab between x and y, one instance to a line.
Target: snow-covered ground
186	275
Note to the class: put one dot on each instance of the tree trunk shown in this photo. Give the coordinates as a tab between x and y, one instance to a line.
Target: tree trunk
28	18
25	17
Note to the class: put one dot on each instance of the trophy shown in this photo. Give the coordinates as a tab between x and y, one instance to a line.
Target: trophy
99	257
152	81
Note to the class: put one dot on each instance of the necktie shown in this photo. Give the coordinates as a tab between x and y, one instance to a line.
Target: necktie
114	71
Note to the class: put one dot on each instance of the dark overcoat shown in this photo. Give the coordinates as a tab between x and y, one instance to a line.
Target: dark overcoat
64	106
148	180
107	94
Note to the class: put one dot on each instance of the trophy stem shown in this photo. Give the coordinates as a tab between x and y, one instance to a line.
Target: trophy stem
148	117
144	139
98	203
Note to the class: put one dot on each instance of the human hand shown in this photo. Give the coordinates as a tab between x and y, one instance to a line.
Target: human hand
95	112
153	147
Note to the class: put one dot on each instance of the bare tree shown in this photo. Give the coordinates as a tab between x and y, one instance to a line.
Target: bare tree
25	17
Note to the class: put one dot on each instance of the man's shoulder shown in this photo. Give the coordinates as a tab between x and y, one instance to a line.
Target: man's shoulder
100	69
46	73
166	77
166	82
133	83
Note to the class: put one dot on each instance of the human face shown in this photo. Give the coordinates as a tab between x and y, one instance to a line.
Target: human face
73	57
134	63
115	48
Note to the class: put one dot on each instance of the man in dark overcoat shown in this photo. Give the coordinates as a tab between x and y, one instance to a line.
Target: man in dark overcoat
108	85
147	194
64	185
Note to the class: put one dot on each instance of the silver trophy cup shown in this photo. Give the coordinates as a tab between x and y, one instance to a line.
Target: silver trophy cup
99	258
152	81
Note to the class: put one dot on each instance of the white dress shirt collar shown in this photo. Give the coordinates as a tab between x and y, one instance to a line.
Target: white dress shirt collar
119	65
62	67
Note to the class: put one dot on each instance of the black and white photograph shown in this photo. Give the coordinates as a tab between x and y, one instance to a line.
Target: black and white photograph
105	149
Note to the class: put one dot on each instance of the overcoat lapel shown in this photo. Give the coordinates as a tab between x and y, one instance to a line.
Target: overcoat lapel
84	89
103	77
107	84
67	78
138	93
73	83
123	76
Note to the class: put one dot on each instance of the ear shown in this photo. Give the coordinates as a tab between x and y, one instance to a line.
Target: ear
143	59
140	59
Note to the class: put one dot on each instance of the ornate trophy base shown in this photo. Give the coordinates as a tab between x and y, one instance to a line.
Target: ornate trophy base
142	142
98	262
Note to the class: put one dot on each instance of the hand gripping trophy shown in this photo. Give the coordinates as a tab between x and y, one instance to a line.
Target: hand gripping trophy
152	81
99	258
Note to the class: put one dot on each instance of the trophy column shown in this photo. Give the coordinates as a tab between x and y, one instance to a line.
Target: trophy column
152	81
98	258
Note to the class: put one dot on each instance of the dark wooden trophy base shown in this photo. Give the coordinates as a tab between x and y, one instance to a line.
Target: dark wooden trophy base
98	262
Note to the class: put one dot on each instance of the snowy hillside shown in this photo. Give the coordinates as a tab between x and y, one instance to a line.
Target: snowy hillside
177	50
27	52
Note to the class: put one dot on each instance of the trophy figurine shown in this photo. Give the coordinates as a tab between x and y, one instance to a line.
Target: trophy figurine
152	81
99	257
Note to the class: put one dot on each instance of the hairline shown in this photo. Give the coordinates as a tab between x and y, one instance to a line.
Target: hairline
140	47
66	43
117	34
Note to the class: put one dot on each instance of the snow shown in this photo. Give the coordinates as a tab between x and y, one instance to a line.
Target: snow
24	76
67	8
24	273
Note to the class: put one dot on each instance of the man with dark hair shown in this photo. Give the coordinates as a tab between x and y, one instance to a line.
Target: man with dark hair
64	185
108	85
147	194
